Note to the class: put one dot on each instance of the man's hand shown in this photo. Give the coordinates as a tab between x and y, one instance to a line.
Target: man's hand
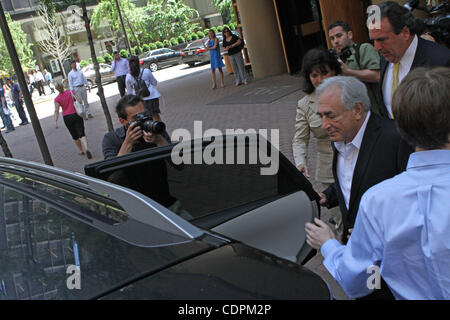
303	168
318	233
323	199
134	133
344	68
154	138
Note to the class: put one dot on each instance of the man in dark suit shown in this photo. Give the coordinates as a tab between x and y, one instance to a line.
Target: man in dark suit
367	150
401	49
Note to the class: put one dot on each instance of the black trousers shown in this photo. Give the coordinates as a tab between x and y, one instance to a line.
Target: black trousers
21	111
121	84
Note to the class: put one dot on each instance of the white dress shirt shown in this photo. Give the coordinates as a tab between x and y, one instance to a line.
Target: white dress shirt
346	161
405	66
76	79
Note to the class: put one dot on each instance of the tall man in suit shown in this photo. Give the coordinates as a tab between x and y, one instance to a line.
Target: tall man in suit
401	49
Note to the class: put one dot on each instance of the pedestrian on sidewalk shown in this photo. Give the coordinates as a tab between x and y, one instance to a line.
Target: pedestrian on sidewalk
5	113
79	83
121	67
31	84
72	120
233	45
18	101
48	80
151	102
215	58
39	82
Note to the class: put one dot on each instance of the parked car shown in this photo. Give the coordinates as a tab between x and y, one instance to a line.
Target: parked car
231	233
105	73
160	58
196	53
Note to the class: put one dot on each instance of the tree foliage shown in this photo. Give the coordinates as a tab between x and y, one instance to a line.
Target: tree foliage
106	11
225	8
23	48
165	19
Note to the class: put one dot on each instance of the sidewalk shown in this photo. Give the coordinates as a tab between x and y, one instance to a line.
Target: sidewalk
186	99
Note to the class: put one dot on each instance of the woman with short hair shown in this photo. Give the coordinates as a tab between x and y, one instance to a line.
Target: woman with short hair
73	122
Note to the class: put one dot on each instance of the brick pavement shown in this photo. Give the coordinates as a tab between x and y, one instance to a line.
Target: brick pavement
185	100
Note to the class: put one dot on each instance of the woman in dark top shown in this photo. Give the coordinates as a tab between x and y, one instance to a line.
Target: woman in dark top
232	44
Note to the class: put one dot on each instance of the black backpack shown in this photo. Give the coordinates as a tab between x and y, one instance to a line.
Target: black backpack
140	87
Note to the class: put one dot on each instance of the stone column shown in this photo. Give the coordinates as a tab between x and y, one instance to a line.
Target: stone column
262	37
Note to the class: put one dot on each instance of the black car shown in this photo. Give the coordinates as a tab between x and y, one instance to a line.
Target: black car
160	58
216	231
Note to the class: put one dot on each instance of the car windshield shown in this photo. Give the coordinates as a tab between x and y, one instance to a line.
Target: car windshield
50	230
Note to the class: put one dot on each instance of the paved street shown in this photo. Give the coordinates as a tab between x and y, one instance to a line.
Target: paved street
186	98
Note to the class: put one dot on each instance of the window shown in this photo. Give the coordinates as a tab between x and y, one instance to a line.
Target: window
46	228
199	190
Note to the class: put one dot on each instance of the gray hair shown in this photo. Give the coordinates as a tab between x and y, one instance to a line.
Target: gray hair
353	91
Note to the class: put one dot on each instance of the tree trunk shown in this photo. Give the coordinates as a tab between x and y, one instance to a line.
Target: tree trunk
5	147
98	79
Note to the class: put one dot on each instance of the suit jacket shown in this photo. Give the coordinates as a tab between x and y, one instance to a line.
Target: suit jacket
383	154
428	53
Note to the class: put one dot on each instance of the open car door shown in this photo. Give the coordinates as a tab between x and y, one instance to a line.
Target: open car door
239	186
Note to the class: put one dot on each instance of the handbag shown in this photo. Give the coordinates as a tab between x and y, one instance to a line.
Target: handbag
140	87
78	106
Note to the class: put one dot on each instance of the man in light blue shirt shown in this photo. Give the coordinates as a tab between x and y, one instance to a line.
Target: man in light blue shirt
121	67
402	226
79	83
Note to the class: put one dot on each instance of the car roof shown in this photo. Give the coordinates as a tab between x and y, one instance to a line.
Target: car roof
137	206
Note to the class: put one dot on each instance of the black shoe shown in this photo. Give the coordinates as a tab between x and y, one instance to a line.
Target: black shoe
90	116
23	123
88	154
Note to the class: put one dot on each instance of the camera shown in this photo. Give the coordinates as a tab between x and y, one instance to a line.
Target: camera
345	53
146	123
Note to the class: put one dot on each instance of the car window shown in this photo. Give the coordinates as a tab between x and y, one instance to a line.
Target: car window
50	249
200	189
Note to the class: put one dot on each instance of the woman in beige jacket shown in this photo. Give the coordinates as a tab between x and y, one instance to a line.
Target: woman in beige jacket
318	64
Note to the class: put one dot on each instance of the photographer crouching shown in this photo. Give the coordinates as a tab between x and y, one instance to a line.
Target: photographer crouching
357	60
138	130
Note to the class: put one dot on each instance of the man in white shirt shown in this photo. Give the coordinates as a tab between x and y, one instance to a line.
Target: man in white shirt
39	82
79	83
367	148
396	40
121	67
